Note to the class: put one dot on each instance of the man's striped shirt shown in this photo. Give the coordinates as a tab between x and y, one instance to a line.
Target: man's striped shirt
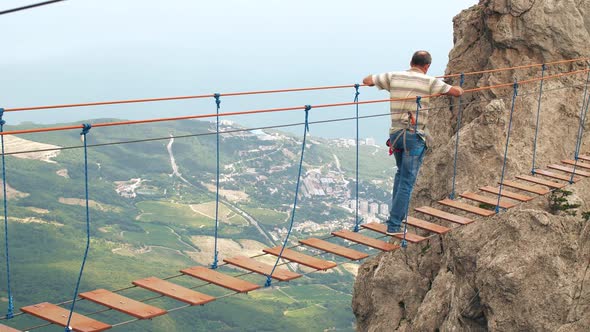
410	84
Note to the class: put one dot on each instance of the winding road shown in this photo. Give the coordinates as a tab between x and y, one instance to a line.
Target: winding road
244	214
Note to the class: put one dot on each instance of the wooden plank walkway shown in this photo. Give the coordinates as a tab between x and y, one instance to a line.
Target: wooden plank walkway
382	228
467	207
493	201
506	193
536	180
569	170
334	249
579	164
525	187
174	291
444	215
58	315
366	240
4	328
220	279
297	257
427	226
556	176
253	265
123	304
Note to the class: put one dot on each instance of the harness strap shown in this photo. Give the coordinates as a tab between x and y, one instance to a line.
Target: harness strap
402	134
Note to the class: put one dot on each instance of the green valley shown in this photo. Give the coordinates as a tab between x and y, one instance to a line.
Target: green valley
152	213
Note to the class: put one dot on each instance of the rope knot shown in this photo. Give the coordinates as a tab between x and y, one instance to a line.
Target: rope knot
2	122
217	97
515	88
544	67
85	128
462	80
357	93
307	109
418	101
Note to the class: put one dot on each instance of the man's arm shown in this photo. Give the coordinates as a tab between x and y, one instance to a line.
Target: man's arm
455	91
369	80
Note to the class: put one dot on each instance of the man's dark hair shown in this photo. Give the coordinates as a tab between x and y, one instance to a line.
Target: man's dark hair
421	58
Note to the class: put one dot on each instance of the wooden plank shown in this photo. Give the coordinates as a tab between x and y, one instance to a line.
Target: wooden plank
526	187
573	162
556	176
123	304
444	215
58	315
427	226
220	279
334	248
298	257
4	328
569	170
253	265
174	291
493	201
584	157
467	207
506	193
366	240
382	228
533	179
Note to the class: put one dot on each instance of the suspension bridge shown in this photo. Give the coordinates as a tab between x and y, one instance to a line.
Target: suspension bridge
444	215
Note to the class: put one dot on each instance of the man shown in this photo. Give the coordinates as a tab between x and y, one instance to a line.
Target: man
409	136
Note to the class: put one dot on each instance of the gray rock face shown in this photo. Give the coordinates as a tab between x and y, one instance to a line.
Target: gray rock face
525	269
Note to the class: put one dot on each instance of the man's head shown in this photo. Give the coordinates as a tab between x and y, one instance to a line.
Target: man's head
421	60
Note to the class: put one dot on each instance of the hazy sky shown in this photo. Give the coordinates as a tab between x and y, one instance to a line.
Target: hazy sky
93	50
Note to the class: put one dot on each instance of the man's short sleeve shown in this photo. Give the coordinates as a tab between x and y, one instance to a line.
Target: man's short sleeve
382	81
438	86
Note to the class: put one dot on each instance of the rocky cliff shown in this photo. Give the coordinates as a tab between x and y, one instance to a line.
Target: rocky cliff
526	269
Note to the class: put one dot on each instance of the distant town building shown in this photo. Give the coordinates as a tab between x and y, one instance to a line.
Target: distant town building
384	209
363	207
370	141
374	209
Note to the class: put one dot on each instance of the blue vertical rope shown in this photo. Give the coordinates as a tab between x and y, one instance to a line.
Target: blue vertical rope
538	116
356	101
10	311
514	95
84	132
581	128
215	252
459	113
305	131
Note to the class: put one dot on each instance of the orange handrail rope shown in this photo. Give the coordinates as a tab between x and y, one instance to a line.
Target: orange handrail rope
202	116
230	94
147	100
513	68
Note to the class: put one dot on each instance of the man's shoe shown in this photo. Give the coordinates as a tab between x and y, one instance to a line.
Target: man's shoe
396	232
